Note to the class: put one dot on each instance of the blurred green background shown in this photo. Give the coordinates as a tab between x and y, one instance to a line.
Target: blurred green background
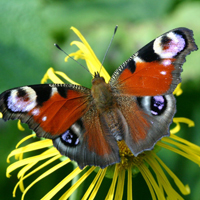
28	30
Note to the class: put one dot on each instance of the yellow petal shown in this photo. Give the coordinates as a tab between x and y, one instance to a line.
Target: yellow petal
64	182
194	147
50	74
92	61
148	176
129	186
31	147
97	186
177	121
25	169
77	32
120	185
183	188
44	175
161	177
110	193
63	75
19	125
178	91
94	182
194	158
47	154
25	139
68	193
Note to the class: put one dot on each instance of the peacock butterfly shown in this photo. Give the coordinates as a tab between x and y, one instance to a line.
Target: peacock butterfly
137	105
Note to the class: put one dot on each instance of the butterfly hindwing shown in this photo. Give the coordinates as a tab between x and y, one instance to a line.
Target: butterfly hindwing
155	69
148	119
93	144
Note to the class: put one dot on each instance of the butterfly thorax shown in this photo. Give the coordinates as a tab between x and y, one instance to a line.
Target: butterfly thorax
101	94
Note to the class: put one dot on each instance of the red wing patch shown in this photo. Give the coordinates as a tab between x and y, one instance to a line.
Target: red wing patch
57	114
149	79
99	140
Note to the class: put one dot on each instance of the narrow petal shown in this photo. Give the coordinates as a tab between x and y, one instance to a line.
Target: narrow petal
178	91
63	75
97	186
184	189
120	185
44	175
66	180
48	153
50	74
171	193
31	147
19	125
77	32
129	186
68	193
25	139
110	194
89	56
184	147
147	175
177	121
149	186
193	158
25	169
190	145
90	188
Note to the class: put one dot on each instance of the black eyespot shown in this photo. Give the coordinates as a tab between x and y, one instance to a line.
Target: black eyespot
158	105
21	92
165	40
131	65
69	138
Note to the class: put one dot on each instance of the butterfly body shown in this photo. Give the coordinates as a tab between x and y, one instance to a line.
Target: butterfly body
136	105
102	94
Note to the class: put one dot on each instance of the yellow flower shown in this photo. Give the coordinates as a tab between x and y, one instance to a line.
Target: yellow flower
151	167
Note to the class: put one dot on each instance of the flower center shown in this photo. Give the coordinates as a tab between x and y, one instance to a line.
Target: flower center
128	159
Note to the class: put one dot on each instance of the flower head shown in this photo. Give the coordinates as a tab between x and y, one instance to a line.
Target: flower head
151	167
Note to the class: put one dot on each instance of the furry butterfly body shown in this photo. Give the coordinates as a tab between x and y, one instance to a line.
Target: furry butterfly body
137	105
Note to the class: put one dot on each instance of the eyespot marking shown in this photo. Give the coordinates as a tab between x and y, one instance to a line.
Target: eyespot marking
22	99
169	45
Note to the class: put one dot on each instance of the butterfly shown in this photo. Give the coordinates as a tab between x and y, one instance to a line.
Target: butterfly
136	106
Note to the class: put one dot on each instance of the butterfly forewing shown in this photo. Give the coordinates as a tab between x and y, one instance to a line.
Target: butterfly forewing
155	69
48	109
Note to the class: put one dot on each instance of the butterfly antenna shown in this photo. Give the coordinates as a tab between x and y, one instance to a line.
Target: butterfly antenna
71	57
115	30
